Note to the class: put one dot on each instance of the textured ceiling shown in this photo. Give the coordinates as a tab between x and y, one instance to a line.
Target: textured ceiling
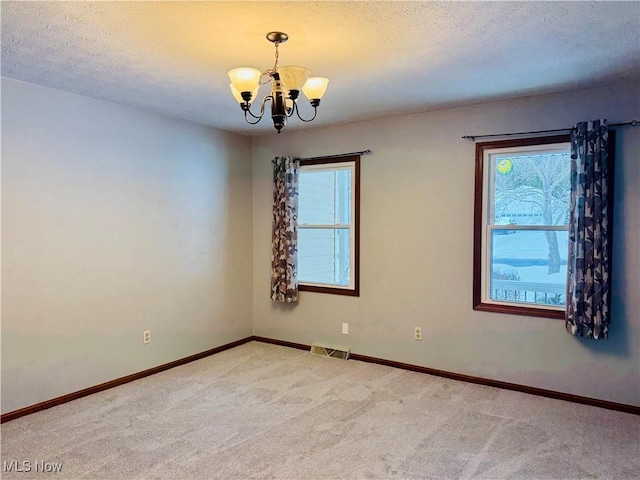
382	58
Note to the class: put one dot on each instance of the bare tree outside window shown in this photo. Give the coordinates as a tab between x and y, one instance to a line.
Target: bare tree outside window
534	190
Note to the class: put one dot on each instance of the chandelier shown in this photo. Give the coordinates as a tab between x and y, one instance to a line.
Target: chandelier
287	82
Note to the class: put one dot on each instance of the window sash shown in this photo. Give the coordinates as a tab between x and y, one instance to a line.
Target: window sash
329	225
560	228
488	282
490	173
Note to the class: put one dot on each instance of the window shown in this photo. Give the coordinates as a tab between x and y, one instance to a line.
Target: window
521	226
328	225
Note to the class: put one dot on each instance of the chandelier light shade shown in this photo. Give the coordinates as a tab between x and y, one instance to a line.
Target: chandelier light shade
286	84
315	87
238	96
245	79
294	78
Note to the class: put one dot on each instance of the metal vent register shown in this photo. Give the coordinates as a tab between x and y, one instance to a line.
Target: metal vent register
329	351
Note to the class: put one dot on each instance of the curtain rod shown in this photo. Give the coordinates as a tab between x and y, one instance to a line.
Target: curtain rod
632	123
339	155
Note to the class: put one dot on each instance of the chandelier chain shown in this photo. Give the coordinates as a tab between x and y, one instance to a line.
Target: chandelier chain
267	74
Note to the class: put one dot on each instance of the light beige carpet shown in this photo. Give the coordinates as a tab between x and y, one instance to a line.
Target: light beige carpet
263	411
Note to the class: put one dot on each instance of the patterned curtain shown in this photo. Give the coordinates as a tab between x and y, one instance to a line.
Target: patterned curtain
589	261
284	247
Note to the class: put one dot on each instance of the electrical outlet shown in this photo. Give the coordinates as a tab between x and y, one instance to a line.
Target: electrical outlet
146	336
345	328
417	333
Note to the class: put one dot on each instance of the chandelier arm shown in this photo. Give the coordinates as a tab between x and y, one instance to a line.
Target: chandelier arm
254	116
246	118
292	109
315	112
258	117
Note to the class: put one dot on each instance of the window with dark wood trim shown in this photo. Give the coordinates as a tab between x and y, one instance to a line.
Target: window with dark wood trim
329	226
521	226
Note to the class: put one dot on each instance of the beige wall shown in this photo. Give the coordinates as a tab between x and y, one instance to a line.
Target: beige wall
416	250
115	221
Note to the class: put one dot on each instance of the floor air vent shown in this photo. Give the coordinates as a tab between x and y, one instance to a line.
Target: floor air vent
328	351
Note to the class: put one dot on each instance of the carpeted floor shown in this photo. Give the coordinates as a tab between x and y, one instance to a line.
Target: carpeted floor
263	411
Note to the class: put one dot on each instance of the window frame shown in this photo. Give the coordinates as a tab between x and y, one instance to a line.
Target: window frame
480	248
354	289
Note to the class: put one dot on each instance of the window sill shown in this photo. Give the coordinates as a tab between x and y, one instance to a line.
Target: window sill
331	290
515	310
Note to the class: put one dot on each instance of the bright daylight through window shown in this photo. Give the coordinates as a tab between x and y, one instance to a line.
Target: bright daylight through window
521	226
327	226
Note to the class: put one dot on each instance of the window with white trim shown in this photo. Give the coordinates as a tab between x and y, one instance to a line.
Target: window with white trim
328	201
521	226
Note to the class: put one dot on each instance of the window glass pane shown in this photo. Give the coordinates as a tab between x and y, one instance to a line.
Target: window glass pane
323	256
531	189
324	197
529	266
343	196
